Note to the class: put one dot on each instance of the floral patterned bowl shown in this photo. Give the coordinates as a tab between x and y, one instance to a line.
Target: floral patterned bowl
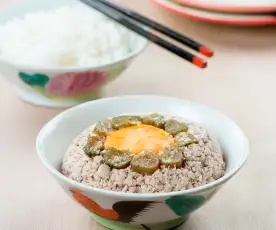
60	86
122	211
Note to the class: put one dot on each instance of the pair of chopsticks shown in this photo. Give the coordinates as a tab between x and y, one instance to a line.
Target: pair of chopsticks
136	23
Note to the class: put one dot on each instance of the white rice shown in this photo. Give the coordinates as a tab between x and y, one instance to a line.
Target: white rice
74	36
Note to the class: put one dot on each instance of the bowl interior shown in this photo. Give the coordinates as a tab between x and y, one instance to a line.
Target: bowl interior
19	9
56	136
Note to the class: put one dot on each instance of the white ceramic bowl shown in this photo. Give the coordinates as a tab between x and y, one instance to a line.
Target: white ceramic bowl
61	86
163	210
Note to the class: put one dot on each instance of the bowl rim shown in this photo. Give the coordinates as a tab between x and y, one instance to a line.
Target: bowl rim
144	43
124	195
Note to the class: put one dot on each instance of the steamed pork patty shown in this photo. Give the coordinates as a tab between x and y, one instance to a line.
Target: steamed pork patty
144	154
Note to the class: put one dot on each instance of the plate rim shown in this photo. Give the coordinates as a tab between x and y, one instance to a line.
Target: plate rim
239	22
228	8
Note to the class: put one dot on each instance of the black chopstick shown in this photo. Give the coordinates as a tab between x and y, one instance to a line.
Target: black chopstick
163	29
134	26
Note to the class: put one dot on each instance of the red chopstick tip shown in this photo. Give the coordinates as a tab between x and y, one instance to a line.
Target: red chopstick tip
206	51
199	62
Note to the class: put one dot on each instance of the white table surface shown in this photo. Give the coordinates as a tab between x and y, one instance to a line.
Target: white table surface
240	82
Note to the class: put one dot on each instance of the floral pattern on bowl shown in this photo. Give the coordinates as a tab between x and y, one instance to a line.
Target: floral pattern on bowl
115	225
93	207
126	212
66	84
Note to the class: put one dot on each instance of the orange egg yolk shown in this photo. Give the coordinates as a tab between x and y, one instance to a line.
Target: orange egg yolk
138	138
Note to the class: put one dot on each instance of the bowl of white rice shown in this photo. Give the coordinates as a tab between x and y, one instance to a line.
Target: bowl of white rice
62	53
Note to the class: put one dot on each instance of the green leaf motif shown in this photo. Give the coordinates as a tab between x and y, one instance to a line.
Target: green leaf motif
35	79
183	205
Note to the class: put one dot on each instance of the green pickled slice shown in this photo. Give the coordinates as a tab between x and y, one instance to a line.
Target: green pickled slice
145	163
116	158
174	127
172	157
183	139
125	121
103	127
154	119
94	145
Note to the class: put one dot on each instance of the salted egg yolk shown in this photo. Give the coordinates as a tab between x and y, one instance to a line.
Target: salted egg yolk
138	138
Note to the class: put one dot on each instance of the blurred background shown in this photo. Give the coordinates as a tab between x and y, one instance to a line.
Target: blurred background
239	81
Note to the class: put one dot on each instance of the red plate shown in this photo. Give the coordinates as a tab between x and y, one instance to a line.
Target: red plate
232	6
217	17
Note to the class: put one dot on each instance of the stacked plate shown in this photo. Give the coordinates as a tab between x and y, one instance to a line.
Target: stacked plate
233	12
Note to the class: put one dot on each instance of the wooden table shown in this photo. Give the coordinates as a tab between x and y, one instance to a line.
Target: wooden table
240	82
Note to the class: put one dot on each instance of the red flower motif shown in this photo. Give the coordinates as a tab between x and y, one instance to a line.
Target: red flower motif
67	84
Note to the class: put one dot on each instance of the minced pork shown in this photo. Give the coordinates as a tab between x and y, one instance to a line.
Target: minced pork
204	163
